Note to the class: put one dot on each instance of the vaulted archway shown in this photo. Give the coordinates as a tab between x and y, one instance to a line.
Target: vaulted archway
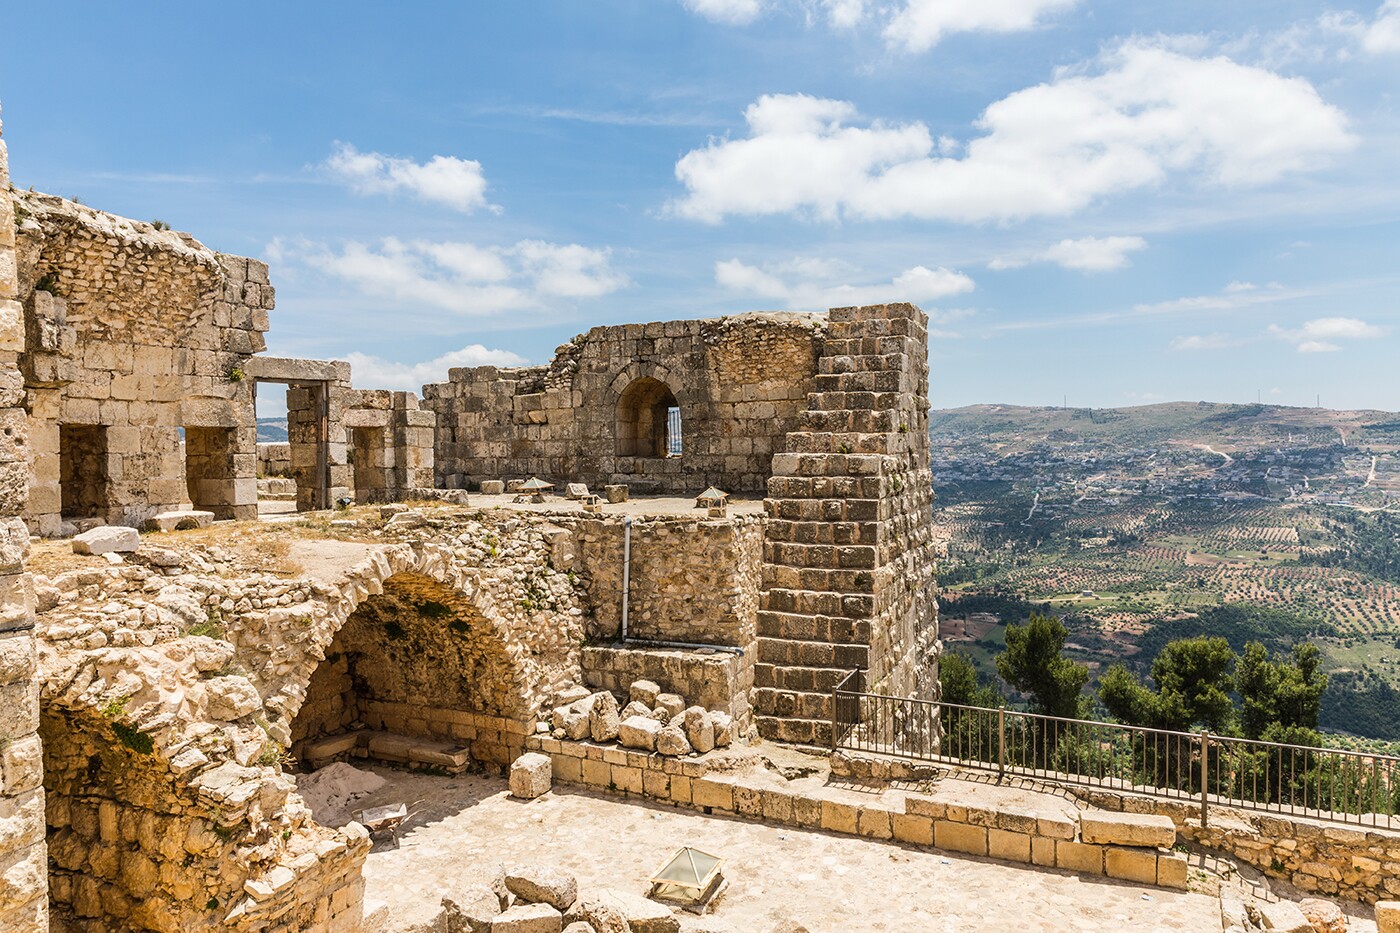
648	420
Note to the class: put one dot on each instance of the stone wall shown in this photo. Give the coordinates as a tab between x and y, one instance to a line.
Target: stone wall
691	579
391	443
134	333
848	560
274	459
597	413
23	863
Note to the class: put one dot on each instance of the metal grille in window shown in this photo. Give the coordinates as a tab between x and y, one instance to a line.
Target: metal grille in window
673	432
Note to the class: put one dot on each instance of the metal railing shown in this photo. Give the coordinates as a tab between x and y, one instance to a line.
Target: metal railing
1212	770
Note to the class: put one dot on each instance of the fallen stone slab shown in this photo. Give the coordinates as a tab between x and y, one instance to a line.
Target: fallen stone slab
603	721
108	539
1388	916
1127	829
492	487
537	884
615	493
529	918
1284	917
1325	916
671	741
644	692
469	909
180	520
642	915
598	912
672	703
639	732
575	490
699	729
531	776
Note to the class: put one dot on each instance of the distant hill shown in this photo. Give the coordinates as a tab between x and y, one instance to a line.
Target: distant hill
272	430
1014	427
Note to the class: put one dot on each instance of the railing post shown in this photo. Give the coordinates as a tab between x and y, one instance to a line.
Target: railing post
1001	742
834	716
1205	786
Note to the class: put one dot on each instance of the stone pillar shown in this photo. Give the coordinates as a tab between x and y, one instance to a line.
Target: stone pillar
848	560
23	858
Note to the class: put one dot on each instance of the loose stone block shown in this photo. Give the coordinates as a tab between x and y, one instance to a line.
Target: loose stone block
1127	829
1172	870
529	918
542	885
644	692
639	732
180	519
1388	916
107	539
492	487
530	775
616	492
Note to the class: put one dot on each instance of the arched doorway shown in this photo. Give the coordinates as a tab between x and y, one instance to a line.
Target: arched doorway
648	420
417	675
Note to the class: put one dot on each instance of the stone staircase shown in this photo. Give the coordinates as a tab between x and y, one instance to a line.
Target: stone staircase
847	575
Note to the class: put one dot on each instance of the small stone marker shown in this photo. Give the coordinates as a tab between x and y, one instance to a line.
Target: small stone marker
530	776
575	490
617	493
180	520
492	487
107	539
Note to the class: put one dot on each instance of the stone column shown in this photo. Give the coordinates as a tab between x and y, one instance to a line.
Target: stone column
24	899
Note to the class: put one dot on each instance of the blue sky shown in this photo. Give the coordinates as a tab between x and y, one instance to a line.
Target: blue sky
1116	202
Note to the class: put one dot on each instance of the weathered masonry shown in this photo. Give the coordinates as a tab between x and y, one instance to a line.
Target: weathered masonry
665	407
24	899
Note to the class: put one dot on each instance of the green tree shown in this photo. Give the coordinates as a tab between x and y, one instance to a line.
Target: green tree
1193	679
962	685
1033	664
1279	697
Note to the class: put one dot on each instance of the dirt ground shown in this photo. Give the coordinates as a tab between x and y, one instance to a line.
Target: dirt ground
459	828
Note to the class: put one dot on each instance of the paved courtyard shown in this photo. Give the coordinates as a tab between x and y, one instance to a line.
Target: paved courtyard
460	827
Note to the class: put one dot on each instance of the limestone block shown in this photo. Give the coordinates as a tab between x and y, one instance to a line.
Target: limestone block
1284	917
529	918
492	487
470	908
1131	864
1127	829
615	492
699	729
107	539
573	719
603	721
535	884
21	765
580	927
724	728
180	520
639	732
1388	916
641	915
575	490
635	708
1325	916
599	913
1171	871
671	740
672	703
230	698
644	692
530	777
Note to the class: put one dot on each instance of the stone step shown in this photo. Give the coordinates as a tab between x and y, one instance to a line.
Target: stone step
795	731
812	653
813	627
792	704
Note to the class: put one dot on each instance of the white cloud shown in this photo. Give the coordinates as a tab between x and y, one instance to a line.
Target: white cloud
1087	254
921	24
373	372
457	183
1204	342
844	14
1383	34
809	284
1142	115
461	277
733	12
1321	335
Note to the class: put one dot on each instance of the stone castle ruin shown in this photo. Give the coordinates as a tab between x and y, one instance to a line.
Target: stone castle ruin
163	695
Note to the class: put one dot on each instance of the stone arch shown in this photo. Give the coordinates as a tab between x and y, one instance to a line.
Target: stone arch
647	420
415	649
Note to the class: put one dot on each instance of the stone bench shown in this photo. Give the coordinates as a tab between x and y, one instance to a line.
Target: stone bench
411	750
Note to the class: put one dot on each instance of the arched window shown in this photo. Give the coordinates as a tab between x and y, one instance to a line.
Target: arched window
648	420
